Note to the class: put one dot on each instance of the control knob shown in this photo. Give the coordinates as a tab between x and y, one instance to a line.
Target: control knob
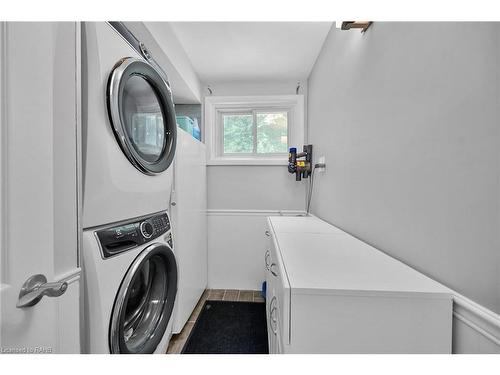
147	229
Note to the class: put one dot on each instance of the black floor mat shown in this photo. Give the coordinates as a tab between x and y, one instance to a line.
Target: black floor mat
225	327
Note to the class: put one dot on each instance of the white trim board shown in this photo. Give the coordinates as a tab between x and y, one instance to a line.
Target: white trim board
248	162
265	213
480	320
78	138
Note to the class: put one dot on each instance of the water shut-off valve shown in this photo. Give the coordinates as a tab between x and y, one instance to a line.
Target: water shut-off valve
300	163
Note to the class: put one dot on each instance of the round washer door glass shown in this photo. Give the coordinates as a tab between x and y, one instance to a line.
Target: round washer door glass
145	301
142	115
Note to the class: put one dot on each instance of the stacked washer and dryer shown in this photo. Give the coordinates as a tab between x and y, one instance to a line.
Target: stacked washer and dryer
129	141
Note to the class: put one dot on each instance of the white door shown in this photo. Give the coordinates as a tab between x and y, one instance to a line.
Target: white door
39	65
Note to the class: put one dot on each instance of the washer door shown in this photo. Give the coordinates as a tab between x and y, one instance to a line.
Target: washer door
144	303
142	115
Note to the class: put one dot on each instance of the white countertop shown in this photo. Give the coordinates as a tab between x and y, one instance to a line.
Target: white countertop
302	224
320	258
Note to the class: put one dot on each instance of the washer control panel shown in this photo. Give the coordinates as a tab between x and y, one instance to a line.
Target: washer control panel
126	236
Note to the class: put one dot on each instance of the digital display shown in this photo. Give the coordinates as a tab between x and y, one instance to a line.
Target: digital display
126	230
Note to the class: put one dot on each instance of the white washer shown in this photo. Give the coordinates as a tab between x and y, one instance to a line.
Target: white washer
129	129
130	285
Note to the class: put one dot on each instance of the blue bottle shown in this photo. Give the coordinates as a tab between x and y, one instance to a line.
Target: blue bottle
196	130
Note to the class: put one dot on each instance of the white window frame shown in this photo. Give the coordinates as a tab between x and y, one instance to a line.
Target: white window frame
216	106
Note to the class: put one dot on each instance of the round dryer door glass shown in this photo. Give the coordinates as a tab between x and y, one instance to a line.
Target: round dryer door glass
142	115
144	303
143	119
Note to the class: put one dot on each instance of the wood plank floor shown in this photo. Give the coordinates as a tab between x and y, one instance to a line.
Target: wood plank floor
177	341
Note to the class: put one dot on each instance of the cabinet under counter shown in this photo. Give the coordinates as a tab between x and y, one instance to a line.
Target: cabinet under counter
329	292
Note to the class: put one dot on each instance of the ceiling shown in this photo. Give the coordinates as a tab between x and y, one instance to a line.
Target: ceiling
244	51
160	38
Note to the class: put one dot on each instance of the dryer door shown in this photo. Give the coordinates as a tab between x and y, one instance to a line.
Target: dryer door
144	303
142	115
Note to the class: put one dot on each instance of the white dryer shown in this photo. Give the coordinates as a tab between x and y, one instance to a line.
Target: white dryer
130	285
129	129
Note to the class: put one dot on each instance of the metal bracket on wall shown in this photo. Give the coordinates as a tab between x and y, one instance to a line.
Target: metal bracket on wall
363	25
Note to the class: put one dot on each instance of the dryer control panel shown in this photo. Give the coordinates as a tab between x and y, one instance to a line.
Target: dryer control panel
128	235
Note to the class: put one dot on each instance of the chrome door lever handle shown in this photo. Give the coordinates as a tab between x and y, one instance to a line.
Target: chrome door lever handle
36	287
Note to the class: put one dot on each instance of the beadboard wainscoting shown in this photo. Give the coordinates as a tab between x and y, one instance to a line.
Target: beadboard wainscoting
236	243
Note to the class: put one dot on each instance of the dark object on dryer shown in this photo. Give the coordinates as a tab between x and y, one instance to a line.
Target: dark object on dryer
301	168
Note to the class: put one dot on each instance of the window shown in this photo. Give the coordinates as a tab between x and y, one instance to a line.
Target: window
253	130
254	133
272	132
238	133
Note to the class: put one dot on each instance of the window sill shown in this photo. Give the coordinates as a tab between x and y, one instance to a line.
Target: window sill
241	161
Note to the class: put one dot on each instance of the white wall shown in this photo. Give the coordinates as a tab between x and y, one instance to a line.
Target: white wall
241	187
234	245
257	87
247	187
236	248
167	51
407	116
